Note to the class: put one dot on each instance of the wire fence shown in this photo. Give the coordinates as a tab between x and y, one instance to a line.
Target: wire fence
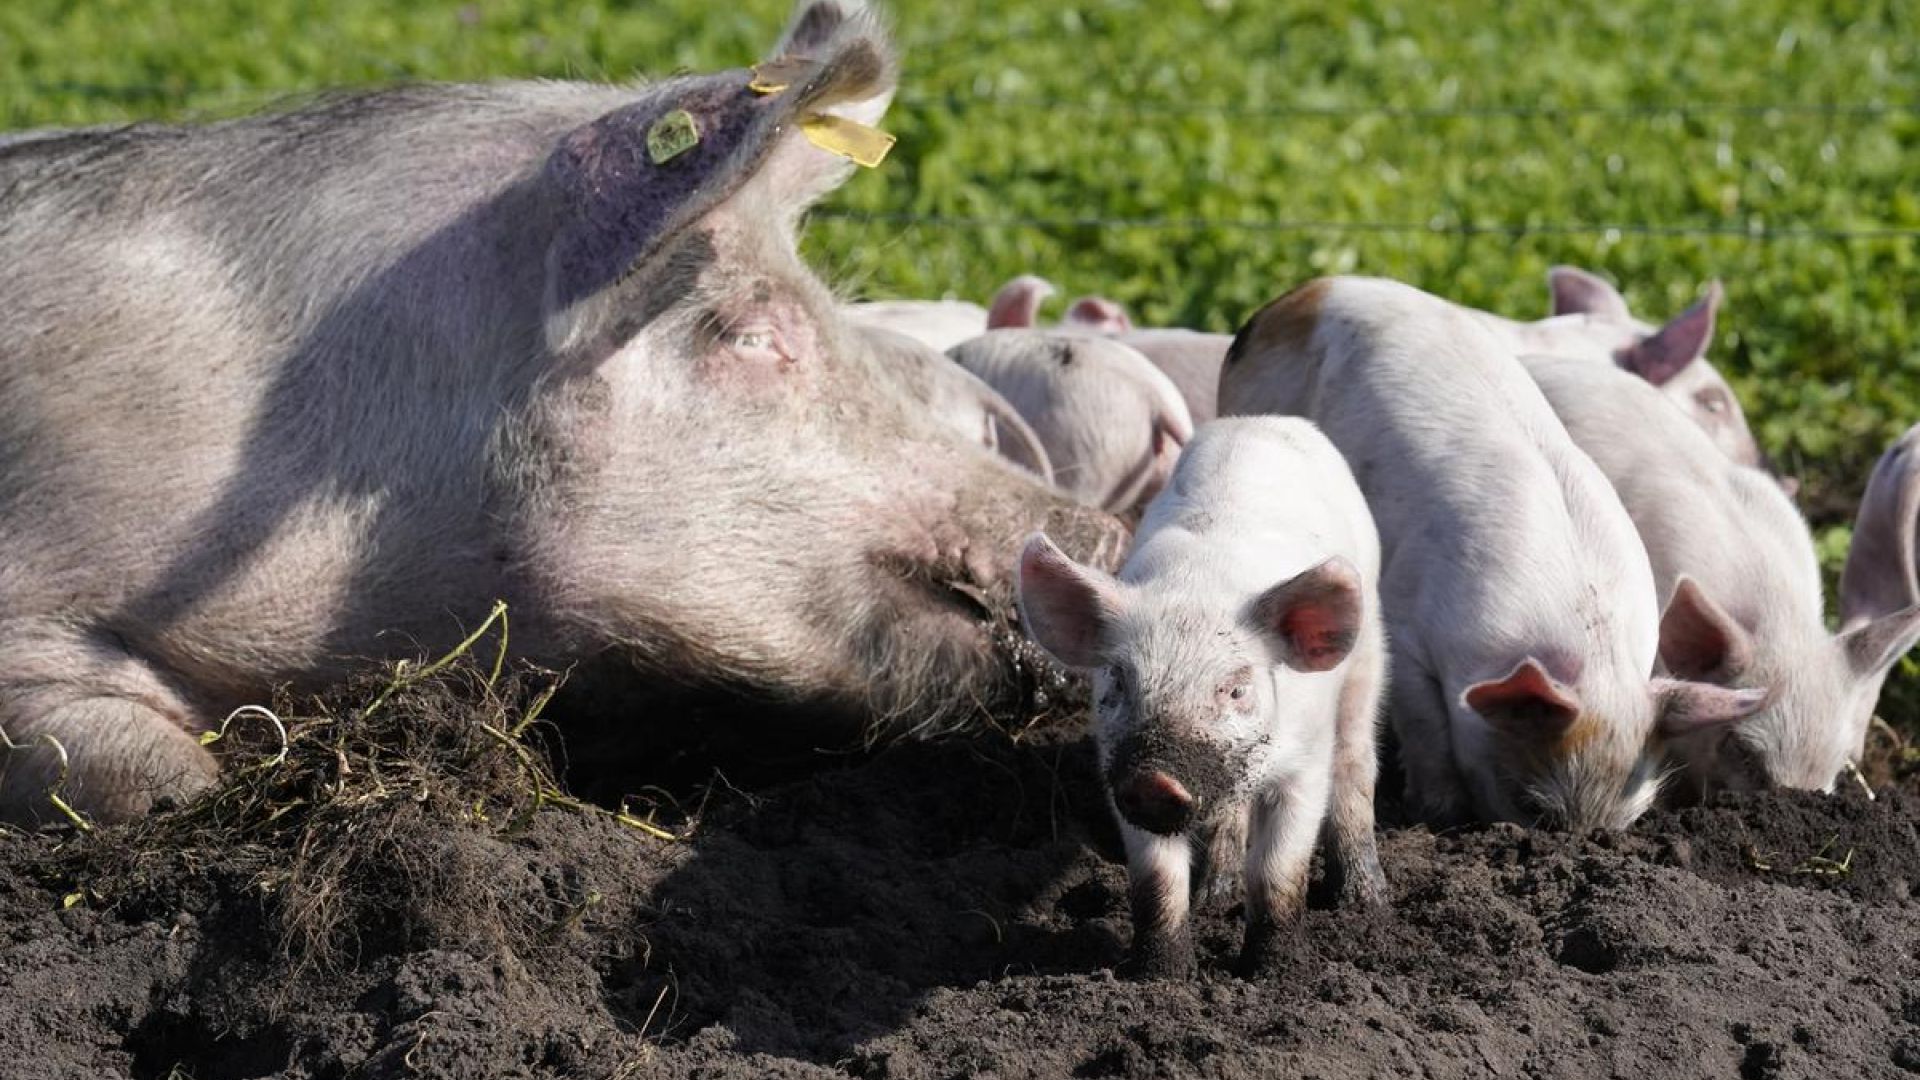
1755	231
1442	228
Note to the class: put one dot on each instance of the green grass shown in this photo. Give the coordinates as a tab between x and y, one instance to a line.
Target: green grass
1178	110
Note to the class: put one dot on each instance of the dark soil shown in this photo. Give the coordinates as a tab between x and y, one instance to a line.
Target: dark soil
949	910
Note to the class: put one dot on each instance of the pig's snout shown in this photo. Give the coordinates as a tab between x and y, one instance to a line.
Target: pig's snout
1154	801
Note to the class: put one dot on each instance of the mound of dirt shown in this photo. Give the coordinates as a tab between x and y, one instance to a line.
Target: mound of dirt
954	909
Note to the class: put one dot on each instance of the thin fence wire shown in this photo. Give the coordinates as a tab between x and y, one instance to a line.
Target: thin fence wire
1286	225
1655	111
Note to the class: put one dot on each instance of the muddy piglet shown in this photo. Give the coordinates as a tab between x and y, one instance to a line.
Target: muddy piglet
1237	666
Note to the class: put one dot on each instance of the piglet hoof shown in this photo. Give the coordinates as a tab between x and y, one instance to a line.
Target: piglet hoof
1267	949
1359	883
1167	956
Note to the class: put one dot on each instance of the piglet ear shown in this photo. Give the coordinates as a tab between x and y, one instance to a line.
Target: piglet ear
1065	606
1577	292
1874	647
1017	305
1881	576
1098	314
1314	616
1694	708
1526	702
1663	355
1698	639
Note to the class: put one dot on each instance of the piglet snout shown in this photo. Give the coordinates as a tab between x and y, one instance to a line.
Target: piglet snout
1155	802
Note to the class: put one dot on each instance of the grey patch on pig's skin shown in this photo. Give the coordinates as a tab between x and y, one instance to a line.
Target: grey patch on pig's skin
675	278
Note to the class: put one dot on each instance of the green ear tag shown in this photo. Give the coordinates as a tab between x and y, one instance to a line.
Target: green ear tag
672	135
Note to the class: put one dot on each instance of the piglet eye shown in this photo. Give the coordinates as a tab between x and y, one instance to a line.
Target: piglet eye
1237	693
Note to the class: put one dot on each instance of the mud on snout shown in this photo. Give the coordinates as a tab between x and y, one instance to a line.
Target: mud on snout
1166	783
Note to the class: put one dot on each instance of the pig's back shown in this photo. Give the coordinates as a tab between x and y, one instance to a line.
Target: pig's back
1489	516
1268	494
1700	514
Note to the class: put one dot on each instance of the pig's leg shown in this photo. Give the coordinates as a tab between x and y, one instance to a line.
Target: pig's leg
1158	873
1353	854
1436	792
126	733
122	756
1225	856
1286	824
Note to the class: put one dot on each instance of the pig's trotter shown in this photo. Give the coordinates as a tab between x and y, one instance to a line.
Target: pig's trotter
1353	870
122	757
1160	952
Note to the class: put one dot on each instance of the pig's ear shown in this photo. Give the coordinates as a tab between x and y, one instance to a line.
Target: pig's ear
1099	314
1662	355
1314	617
1698	639
1014	438
1694	708
851	35
1881	577
1577	292
1874	647
1066	606
624	186
1017	305
1525	702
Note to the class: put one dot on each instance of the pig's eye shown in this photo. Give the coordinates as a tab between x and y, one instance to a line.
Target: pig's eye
1713	401
1237	693
752	340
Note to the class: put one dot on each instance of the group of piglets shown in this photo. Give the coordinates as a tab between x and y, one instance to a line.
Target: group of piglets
1551	549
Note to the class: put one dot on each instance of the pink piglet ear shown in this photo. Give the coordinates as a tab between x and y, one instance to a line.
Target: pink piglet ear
1882	575
1692	708
1017	305
1664	354
1065	606
1315	615
1698	639
1527	702
1577	292
1099	314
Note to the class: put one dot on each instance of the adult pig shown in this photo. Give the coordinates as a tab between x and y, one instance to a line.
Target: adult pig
1736	572
1518	600
287	392
1111	423
1237	663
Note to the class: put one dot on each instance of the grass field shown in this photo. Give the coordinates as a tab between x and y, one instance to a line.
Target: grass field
1192	158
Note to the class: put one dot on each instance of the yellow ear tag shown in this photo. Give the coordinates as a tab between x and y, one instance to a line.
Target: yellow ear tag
779	74
850	139
672	135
